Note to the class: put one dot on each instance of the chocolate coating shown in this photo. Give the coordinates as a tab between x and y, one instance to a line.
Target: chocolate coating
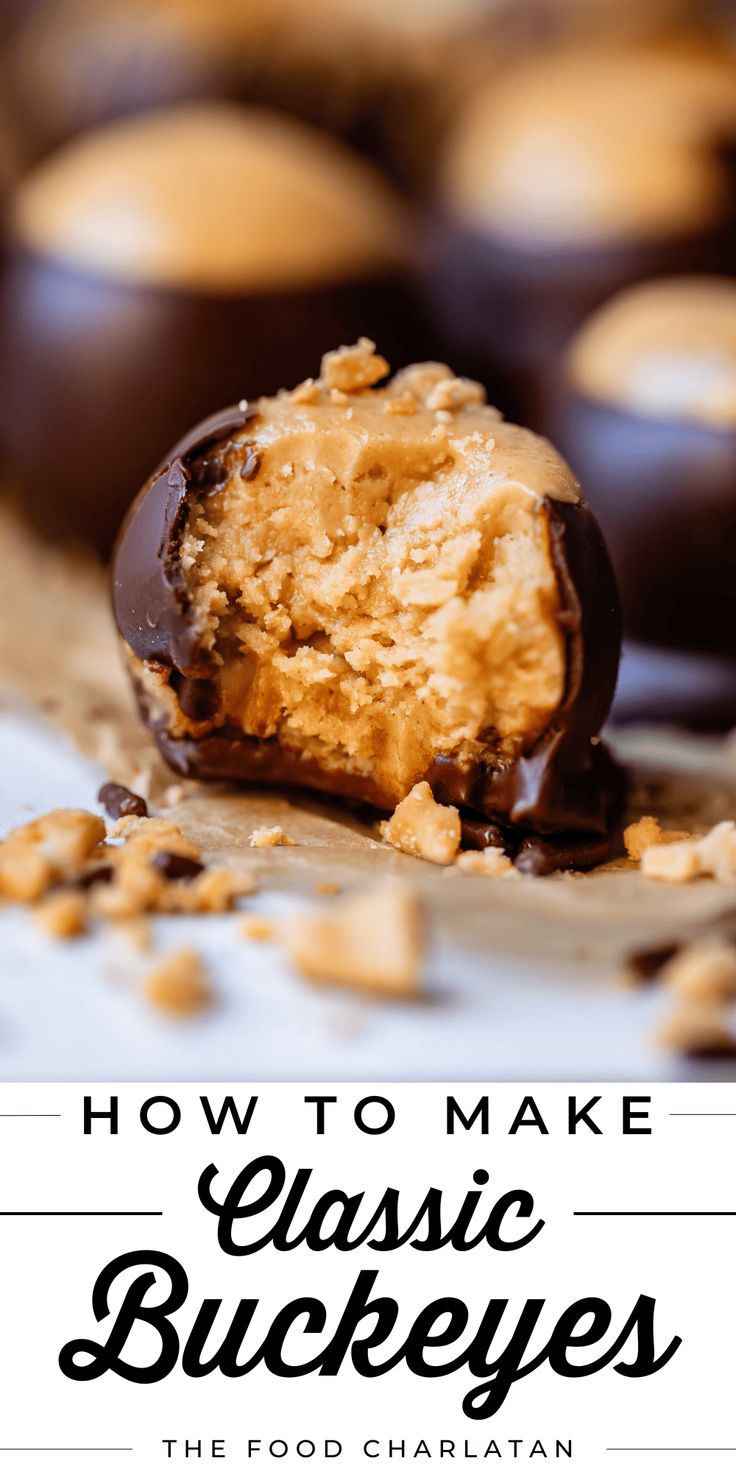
539	854
565	781
149	598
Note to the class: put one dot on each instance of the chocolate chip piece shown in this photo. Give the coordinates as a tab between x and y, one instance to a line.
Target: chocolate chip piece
721	1052
176	866
120	802
478	834
101	874
646	964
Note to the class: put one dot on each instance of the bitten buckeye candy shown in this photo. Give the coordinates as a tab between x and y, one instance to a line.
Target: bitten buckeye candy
576	174
355	588
166	264
646	413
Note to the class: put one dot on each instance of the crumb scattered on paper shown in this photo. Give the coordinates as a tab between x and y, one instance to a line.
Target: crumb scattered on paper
178	985
699	1030
492	862
81	872
423	827
257	927
712	856
646	833
368	941
270	838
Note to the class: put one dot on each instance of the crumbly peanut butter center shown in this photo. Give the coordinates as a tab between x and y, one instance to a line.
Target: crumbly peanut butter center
373	578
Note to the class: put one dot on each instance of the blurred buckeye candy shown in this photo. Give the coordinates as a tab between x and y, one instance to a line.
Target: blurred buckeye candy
646	414
163	264
575	174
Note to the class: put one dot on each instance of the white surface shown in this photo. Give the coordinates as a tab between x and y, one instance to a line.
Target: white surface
49	1266
72	1011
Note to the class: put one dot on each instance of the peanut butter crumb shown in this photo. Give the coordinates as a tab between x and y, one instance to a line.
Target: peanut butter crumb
354	368
270	838
675	863
179	985
327	888
135	890
47	850
717	852
64	915
306	392
370	941
147	836
641	835
401	404
698	1029
455	393
144	865
646	833
713	855
702	972
213	892
488	861
257	927
424	828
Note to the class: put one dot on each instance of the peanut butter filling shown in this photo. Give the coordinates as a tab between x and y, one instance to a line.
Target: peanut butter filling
372	577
